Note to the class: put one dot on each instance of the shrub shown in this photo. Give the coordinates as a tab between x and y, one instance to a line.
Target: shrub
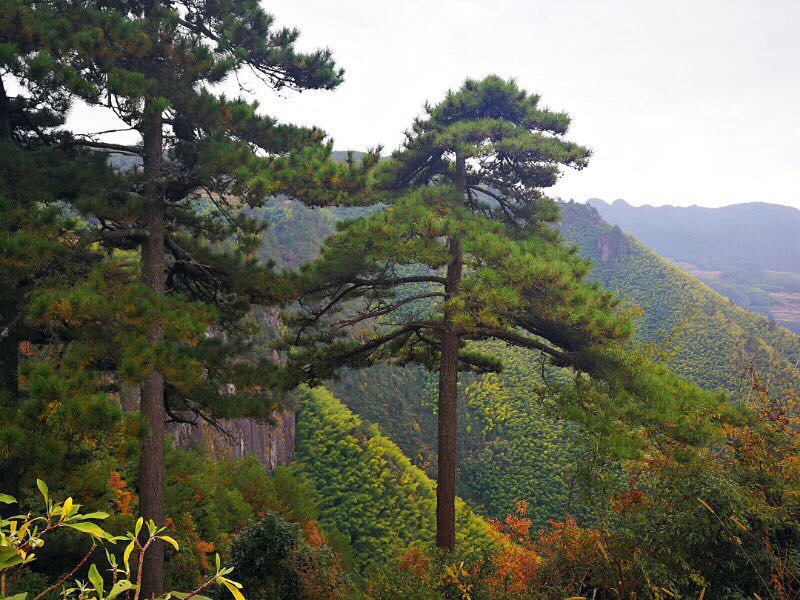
279	560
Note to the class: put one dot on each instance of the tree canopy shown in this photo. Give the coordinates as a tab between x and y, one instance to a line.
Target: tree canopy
463	253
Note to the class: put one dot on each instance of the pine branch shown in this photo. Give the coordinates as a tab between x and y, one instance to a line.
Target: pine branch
524	342
388	309
376	343
114	148
127	233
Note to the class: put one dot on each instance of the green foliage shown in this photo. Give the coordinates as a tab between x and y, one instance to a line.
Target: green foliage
514	444
711	341
23	536
466	178
211	502
262	551
367	488
279	564
295	231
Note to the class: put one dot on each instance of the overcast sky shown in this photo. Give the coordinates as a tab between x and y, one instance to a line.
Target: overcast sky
682	101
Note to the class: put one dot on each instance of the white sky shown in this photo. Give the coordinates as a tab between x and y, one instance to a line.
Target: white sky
682	101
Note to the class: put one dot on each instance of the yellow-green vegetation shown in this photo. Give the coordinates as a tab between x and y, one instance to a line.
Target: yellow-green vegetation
367	488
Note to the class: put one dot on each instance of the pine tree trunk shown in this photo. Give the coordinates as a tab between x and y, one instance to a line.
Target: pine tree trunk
448	397
11	473
151	462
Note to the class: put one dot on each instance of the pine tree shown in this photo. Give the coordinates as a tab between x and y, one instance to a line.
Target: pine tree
41	246
463	253
205	158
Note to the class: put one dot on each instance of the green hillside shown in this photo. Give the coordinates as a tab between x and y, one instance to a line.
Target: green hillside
366	488
711	341
511	446
749	252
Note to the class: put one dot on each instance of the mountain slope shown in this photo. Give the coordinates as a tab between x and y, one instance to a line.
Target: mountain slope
512	446
366	488
750	252
713	340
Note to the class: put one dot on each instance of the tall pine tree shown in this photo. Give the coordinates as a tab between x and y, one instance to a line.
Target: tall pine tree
41	245
204	159
463	253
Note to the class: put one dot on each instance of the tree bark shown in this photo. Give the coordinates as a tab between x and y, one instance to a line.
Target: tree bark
447	464
11	473
151	462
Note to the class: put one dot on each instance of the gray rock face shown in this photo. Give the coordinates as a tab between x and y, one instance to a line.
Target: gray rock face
272	443
271	440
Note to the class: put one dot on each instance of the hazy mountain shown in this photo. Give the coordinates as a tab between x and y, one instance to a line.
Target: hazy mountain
749	253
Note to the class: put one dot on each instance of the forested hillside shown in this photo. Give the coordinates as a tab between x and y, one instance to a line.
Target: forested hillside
710	340
367	488
748	252
237	363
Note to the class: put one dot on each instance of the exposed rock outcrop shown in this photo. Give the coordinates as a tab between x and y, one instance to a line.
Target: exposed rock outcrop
272	443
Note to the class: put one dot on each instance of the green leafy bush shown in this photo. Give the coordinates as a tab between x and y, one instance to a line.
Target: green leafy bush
276	562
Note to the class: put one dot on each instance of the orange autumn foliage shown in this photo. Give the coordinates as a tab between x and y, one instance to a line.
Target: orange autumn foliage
123	498
312	534
414	561
514	567
203	550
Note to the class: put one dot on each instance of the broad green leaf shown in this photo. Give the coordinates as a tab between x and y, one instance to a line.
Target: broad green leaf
170	541
6	499
100	515
119	587
92	530
96	579
139	523
21	596
42	488
9	556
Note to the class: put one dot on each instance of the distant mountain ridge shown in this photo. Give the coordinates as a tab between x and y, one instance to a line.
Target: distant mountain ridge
749	253
714	341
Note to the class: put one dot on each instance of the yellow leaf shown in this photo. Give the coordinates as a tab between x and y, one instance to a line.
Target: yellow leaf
231	585
127	555
66	508
170	541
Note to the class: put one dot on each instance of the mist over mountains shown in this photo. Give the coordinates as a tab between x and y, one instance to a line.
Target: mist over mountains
749	253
